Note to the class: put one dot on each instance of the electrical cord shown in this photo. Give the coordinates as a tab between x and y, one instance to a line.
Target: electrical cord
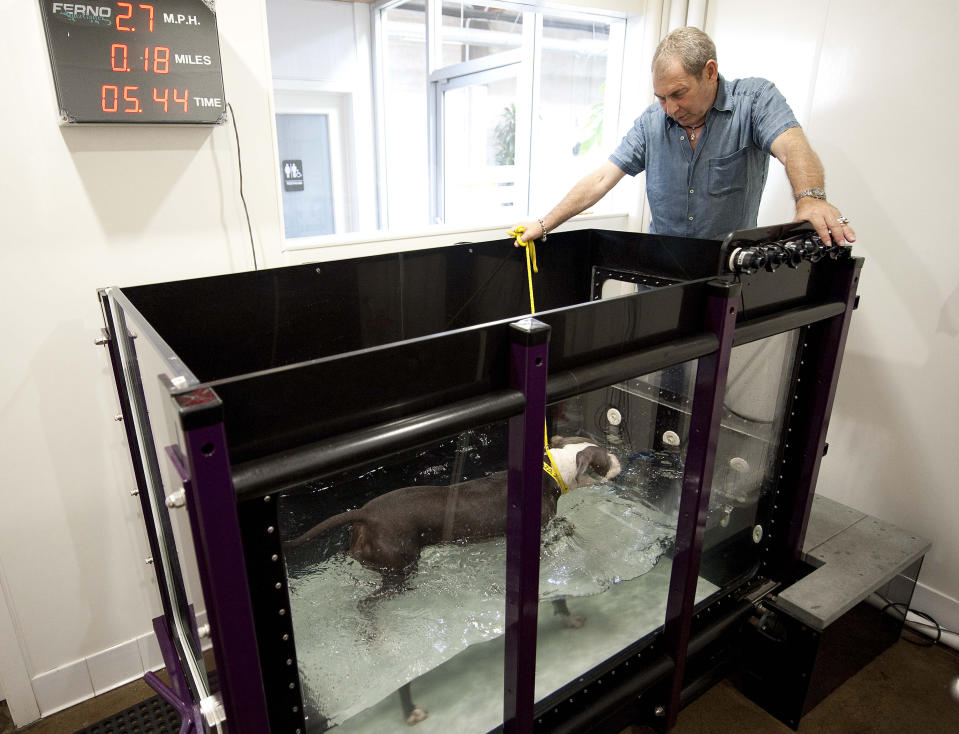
925	641
239	165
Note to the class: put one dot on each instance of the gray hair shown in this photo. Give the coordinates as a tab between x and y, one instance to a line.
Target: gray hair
693	47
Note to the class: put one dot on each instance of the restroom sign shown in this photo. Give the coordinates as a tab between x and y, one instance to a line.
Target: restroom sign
293	175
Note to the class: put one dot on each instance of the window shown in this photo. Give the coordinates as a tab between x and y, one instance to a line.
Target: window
488	112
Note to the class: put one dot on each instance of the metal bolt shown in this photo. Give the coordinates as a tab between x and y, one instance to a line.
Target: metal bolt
659	711
274	557
134	492
118	417
148	561
101	340
270	529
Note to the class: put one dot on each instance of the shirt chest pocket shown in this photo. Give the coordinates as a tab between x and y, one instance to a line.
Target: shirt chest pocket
729	174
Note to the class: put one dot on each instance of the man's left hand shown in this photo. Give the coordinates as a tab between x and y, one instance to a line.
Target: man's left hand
827	220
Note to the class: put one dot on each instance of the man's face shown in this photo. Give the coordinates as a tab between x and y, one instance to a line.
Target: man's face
682	96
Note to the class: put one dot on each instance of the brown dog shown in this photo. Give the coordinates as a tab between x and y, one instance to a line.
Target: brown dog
388	532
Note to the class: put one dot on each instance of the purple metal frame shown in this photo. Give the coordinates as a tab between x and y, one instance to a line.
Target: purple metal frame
216	537
832	346
178	696
528	371
721	311
132	401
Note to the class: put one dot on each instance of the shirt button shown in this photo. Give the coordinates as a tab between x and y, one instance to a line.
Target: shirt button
692	191
682	137
690	219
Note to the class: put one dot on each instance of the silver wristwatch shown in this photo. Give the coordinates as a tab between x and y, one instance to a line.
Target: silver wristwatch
814	193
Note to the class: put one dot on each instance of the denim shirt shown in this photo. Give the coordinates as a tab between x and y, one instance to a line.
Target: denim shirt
715	189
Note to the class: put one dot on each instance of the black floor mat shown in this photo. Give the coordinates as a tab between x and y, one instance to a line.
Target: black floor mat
153	716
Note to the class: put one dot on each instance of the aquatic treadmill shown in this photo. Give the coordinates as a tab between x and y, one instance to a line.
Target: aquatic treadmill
257	404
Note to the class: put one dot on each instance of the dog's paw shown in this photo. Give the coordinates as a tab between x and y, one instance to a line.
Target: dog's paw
574	621
417	715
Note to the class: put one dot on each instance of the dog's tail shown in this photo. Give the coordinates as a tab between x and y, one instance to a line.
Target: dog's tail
344	518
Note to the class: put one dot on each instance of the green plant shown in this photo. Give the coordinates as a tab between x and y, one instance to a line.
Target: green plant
504	137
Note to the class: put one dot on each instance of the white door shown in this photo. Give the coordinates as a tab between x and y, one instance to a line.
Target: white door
315	160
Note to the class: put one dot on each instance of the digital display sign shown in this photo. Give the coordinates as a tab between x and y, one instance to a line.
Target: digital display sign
136	62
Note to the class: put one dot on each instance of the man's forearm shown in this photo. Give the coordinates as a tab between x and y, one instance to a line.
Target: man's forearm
805	173
590	189
803	167
581	197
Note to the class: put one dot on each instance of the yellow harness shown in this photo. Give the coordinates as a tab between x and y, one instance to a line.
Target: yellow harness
548	466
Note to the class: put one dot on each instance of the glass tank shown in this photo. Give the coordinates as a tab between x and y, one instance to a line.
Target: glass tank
375	642
347	436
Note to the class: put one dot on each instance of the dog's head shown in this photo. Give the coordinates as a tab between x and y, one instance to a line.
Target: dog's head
580	461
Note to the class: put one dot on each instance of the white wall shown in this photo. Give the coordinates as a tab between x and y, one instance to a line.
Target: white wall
869	82
85	207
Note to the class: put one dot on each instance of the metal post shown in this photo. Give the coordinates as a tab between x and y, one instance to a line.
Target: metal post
176	650
528	371
216	537
177	694
721	310
825	377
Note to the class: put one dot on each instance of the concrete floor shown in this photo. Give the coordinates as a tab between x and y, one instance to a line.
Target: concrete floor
903	691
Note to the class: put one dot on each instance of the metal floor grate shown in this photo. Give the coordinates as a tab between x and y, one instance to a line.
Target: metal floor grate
153	716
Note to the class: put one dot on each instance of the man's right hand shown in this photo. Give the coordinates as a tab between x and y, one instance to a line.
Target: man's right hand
531	231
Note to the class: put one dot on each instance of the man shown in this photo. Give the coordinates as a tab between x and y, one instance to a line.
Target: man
705	149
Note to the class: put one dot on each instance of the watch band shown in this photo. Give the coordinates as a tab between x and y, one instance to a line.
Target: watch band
816	193
543	225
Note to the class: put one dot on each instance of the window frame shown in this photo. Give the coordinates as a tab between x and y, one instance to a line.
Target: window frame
438	77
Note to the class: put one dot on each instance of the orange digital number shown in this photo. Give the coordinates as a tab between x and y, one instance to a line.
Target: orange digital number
183	101
134	100
165	99
149	9
118	57
109	98
125	16
161	60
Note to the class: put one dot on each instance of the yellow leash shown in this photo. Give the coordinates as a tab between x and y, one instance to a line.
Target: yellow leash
531	268
548	466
